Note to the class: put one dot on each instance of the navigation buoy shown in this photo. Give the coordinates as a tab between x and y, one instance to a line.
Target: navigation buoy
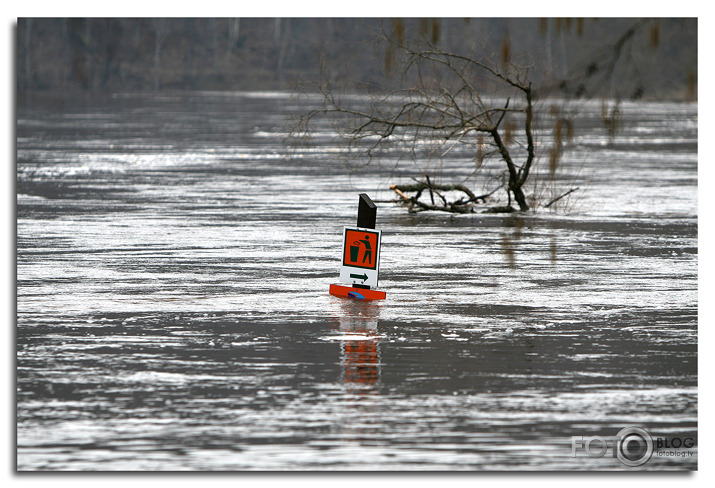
360	260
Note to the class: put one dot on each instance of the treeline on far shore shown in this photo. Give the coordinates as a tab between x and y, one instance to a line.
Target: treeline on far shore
649	58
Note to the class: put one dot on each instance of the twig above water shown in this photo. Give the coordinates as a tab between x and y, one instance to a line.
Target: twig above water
560	197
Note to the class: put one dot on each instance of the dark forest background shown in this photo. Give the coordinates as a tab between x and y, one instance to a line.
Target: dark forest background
644	58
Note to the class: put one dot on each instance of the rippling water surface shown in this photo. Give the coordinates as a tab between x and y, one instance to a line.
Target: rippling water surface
173	265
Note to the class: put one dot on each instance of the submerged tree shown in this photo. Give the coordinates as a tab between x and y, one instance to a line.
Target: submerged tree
443	106
485	105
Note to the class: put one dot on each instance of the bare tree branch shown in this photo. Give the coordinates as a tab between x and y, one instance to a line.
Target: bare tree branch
443	103
560	197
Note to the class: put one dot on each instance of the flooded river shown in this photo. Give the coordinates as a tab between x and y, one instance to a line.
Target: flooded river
173	266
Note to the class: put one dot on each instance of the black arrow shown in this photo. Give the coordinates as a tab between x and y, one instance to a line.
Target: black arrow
359	277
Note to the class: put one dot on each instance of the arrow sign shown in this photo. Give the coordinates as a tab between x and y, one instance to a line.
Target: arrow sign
359	277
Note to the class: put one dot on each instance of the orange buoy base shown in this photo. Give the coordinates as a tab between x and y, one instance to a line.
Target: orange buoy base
356	293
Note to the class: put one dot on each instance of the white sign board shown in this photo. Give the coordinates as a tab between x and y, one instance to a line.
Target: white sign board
361	256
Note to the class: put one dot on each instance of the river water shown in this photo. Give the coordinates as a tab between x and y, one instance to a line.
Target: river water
173	264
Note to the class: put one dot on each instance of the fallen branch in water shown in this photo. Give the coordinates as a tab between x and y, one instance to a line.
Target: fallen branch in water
560	197
462	205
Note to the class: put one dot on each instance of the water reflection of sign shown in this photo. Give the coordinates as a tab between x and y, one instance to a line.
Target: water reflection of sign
361	256
360	354
361	361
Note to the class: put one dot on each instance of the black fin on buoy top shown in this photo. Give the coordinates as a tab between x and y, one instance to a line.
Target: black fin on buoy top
367	212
